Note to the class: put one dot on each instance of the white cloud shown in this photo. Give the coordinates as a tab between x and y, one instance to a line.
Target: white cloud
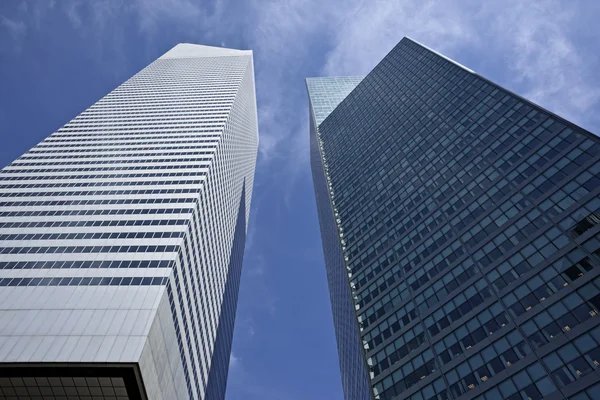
39	10
372	29
547	62
234	362
532	40
73	12
256	277
16	29
359	34
536	44
152	13
282	37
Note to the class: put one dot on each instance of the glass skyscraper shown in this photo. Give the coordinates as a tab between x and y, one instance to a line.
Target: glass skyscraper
122	237
460	228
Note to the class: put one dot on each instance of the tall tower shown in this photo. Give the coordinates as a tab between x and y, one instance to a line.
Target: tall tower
460	227
122	237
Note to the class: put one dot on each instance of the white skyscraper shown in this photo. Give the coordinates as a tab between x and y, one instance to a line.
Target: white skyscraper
122	237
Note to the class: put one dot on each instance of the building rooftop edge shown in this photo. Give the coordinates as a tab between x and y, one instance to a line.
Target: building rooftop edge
440	54
335	76
191	50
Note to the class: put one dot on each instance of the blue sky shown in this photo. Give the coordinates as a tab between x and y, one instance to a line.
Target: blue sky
58	57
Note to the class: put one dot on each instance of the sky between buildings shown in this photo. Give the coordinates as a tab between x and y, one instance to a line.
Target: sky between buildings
59	57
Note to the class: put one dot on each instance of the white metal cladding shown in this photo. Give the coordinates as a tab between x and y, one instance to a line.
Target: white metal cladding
138	193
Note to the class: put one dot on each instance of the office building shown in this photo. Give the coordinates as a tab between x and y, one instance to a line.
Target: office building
460	231
122	237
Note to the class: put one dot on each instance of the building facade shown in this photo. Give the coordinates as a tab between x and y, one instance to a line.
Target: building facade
122	237
325	95
460	230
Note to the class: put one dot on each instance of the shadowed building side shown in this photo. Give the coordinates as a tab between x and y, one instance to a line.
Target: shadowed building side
217	378
355	381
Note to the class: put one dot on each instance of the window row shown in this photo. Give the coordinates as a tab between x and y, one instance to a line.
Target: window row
150	161
572	192
128	211
104	155
536	162
391	325
371	315
409	375
153	200
110	124
496	219
517	233
87	249
471	332
575	359
445	285
564	315
72	224
457	307
490	361
119	192
101	176
64	138
447	256
554	175
111	149
583	219
527	258
79	281
92	235
115	109
547	282
113	168
438	264
147	128
137	116
591	393
102	183
86	264
391	300
436	390
376	288
532	383
398	349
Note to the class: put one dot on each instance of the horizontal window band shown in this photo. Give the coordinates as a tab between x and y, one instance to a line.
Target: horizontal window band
87	249
86	264
64	137
73	224
129	211
119	167
79	281
92	235
92	202
36	177
19	163
110	149
100	183
120	192
126	142
33	156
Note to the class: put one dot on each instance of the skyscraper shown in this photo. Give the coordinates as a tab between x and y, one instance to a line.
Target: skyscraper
460	230
122	237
